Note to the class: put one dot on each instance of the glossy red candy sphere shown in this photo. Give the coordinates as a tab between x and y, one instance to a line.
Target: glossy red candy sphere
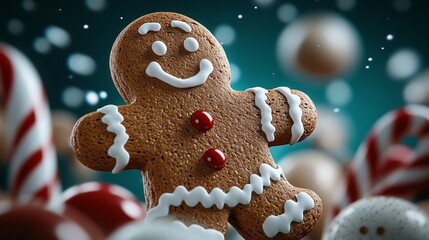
202	120
214	159
35	222
109	206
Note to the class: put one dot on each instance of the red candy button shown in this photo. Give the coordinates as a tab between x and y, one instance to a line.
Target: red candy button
202	120
214	159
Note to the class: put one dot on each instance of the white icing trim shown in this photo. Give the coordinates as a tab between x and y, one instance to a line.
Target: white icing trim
155	70
150	26
182	25
216	197
295	113
159	48
294	212
191	44
117	151
195	231
266	117
163	229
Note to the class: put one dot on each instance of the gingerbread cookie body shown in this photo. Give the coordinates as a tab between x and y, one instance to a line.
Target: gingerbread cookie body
202	148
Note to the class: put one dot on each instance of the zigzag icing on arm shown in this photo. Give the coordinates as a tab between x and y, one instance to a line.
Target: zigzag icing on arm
295	113
117	151
294	212
216	197
266	117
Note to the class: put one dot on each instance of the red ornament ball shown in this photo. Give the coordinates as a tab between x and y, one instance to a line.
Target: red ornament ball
202	120
109	206
34	222
214	159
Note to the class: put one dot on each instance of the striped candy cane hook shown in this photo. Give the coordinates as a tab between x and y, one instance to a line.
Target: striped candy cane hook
372	174
33	173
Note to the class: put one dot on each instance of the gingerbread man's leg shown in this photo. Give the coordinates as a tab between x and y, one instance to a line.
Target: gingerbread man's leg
209	218
281	210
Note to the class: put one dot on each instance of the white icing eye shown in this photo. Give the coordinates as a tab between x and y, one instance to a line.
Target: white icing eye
151	26
159	48
191	45
182	25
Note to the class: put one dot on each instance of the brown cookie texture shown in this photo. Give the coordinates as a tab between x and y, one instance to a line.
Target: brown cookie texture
245	217
168	149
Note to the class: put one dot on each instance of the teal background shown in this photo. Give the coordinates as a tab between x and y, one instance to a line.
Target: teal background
254	51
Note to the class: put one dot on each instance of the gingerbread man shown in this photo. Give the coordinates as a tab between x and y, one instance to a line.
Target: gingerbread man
202	147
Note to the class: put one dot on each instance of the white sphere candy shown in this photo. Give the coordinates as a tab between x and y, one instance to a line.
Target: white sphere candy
339	93
15	26
81	64
264	3
346	5
403	64
57	36
225	34
333	132
417	90
287	12
96	5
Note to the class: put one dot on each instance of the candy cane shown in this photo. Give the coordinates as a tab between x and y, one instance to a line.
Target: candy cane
372	174
33	165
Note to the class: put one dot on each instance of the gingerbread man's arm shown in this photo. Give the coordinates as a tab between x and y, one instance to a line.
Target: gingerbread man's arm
287	116
106	140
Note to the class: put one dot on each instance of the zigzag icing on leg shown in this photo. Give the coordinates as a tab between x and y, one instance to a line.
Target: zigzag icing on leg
216	197
294	212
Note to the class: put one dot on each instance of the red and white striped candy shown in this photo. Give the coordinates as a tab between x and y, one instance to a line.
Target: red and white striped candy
33	164
373	172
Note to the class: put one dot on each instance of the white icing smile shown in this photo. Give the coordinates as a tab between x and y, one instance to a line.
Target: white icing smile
155	70
159	48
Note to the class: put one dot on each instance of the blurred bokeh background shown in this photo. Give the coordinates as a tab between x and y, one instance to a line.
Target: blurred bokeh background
355	59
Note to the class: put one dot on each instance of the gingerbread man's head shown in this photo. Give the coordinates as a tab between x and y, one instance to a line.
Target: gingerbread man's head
202	147
169	48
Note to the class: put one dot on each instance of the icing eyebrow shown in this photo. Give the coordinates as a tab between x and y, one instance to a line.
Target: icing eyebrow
182	25
150	26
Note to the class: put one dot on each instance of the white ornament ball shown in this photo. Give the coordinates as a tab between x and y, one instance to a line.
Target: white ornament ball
317	171
380	218
319	46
